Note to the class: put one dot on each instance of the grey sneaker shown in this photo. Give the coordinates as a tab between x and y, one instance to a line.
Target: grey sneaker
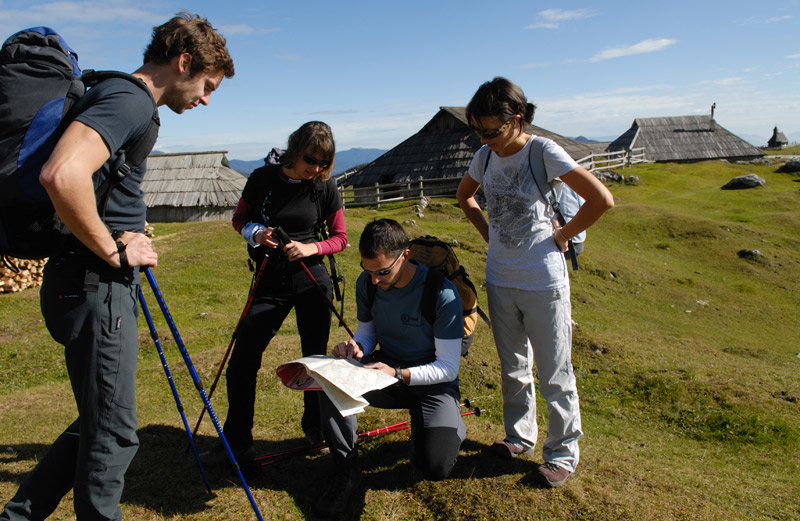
551	475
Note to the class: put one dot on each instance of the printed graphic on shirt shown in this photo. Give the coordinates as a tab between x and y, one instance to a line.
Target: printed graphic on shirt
511	201
412	321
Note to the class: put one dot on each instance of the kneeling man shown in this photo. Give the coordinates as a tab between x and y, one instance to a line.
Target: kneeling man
415	316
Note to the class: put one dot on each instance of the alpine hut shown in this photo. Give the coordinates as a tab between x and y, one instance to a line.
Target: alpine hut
684	139
443	148
778	139
199	186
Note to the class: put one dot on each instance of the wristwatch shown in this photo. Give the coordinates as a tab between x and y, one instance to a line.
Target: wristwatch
398	373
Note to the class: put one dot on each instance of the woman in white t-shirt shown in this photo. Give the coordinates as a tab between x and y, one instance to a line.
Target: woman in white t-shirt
526	274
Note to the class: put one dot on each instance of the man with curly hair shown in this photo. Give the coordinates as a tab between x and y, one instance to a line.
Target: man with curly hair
89	291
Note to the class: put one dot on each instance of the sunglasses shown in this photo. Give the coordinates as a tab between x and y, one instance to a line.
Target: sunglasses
322	163
490	134
385	271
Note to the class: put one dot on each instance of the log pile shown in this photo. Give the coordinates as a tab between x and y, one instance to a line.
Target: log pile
29	276
30	271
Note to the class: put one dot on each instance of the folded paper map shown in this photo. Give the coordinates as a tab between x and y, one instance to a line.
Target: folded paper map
344	380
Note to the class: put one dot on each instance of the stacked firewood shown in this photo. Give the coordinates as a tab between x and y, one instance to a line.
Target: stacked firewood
29	275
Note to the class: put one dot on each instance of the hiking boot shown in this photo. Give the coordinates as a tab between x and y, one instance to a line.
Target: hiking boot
218	457
342	487
315	438
506	449
551	475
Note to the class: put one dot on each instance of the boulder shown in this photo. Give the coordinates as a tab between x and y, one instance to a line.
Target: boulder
744	181
791	166
752	255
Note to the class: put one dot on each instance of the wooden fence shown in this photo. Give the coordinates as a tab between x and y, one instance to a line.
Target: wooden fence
378	194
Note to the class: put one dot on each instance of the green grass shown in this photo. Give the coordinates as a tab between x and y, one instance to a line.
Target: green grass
791	150
686	358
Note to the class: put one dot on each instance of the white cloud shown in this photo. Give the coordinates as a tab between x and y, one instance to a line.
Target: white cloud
764	21
83	12
542	25
643	47
726	82
535	65
775	19
552	18
794	56
560	15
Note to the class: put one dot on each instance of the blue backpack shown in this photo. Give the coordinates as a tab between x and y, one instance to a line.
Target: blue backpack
40	81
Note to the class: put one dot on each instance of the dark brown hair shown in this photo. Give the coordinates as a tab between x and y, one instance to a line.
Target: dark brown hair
188	33
314	138
385	236
499	98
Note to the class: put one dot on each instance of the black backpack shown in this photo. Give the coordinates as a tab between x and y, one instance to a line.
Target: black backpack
40	81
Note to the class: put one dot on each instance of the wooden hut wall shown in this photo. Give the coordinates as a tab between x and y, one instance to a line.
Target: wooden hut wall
171	214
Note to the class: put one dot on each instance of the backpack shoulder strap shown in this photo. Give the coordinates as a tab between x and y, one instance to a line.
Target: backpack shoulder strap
135	152
539	173
536	157
434	281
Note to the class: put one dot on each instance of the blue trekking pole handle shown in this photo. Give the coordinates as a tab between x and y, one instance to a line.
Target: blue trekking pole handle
196	379
154	336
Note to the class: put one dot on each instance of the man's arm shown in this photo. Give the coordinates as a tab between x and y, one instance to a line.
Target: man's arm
67	178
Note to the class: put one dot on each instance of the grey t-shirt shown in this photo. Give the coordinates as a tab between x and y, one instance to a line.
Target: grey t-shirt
522	253
120	112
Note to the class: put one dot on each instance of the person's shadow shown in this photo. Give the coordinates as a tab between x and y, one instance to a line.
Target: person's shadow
164	476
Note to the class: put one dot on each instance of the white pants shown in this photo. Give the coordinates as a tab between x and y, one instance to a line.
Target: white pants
536	326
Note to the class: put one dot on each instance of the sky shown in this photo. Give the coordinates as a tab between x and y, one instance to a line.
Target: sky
378	71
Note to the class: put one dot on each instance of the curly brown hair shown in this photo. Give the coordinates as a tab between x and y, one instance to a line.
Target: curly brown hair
189	33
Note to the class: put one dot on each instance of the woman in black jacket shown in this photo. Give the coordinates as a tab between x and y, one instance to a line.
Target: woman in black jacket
297	194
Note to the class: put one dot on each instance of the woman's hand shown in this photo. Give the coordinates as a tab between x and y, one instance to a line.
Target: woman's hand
558	235
298	250
264	236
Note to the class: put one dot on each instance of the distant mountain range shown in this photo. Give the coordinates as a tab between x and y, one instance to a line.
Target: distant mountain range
345	159
582	139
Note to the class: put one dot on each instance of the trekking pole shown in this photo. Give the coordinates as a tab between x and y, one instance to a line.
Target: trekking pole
154	336
275	457
283	239
233	338
196	379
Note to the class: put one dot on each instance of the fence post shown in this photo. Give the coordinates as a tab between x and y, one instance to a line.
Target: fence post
377	195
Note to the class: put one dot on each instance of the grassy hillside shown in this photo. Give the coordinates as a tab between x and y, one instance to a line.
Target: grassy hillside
686	356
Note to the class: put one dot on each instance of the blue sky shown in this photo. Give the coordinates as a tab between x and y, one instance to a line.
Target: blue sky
378	71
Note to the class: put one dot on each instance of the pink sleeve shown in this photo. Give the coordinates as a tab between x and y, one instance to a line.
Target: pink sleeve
338	240
241	215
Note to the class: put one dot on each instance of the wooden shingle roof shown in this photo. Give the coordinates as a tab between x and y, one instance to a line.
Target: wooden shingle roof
684	138
444	147
191	180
